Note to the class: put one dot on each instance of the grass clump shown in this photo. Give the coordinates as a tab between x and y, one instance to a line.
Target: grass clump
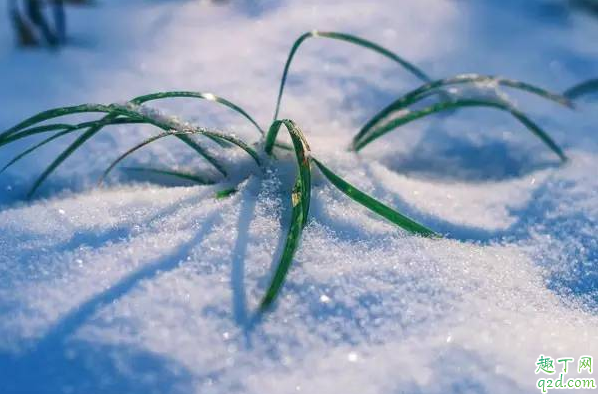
396	114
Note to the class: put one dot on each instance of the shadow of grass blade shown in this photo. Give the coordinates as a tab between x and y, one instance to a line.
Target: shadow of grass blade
374	205
34	148
361	42
581	89
55	113
431	88
174	173
300	201
199	95
444	106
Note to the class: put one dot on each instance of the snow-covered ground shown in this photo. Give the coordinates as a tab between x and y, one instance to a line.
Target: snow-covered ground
140	288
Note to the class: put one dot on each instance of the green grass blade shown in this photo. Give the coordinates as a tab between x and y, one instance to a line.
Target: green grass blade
35	130
67	127
235	141
89	133
132	150
55	113
175	173
430	88
300	200
34	148
62	157
185	130
203	152
374	205
581	89
199	95
352	40
444	106
225	193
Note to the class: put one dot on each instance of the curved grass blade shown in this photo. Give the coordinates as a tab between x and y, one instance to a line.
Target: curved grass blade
374	205
203	152
67	127
430	88
411	116
183	130
63	156
34	148
350	39
199	95
581	89
178	174
55	113
300	200
35	130
225	193
180	134
132	150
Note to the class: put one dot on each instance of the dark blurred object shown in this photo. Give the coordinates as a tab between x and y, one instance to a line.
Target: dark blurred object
32	24
588	5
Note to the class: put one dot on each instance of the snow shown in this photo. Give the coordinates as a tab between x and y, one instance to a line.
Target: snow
141	288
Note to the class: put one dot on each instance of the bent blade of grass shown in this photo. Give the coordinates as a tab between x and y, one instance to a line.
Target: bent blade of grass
225	193
185	131
35	130
581	89
67	127
34	148
300	200
62	157
352	40
203	152
55	113
444	106
374	205
425	90
89	133
175	173
199	95
183	135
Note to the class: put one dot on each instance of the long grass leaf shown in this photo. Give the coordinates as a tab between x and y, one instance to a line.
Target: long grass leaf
89	133
374	205
34	148
581	89
174	173
430	88
225	193
203	152
350	39
55	113
67	127
182	130
184	135
62	157
300	201
444	106
199	95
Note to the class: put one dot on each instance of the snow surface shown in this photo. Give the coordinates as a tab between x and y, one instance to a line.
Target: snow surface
141	288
